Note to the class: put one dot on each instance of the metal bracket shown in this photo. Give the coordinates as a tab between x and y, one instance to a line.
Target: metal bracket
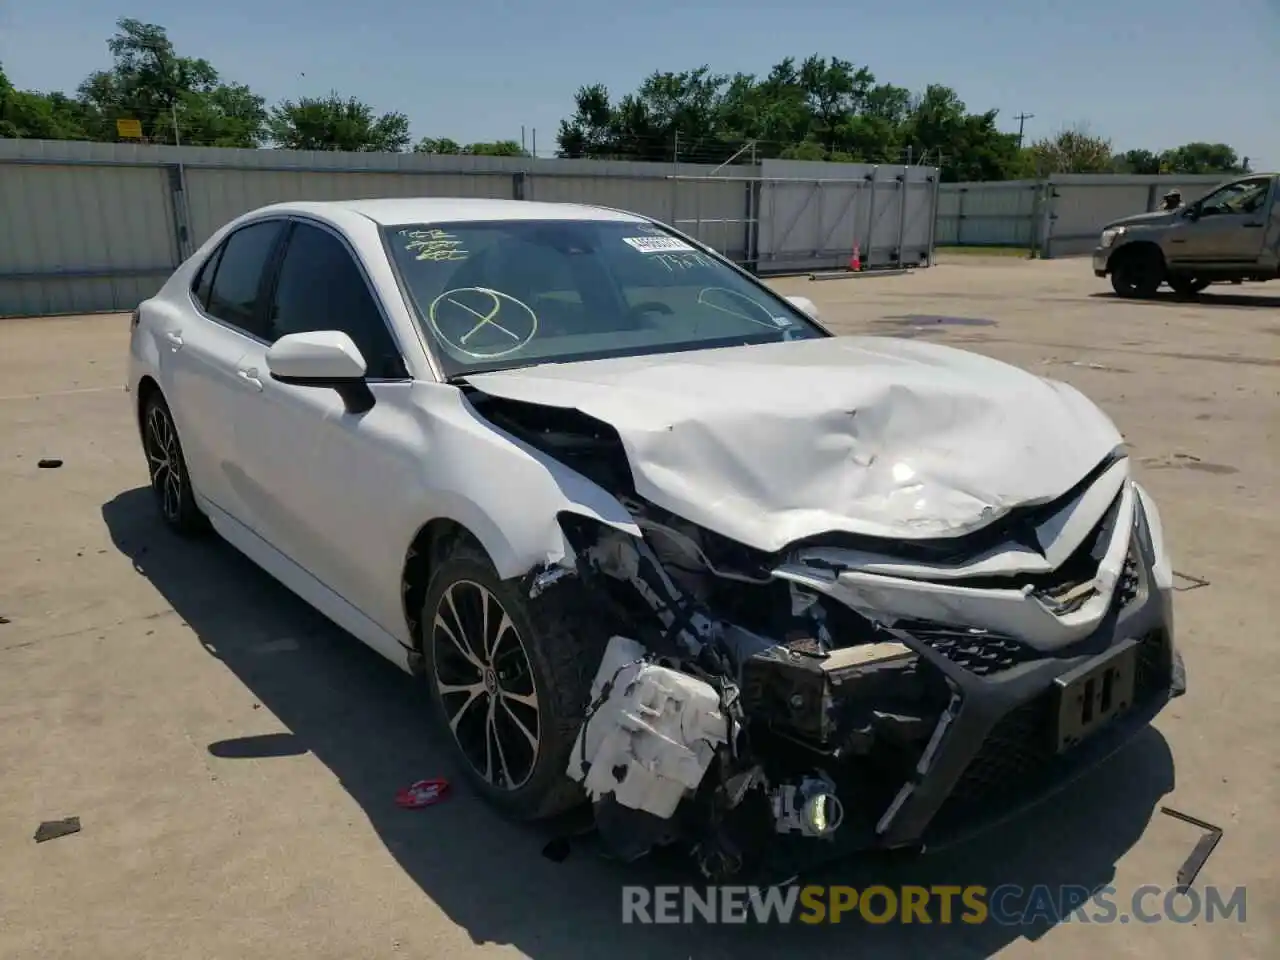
1196	582
1190	869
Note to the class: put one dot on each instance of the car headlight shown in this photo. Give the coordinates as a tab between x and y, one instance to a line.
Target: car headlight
1109	236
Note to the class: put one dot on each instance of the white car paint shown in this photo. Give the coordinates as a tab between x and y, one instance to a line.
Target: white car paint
318	355
764	444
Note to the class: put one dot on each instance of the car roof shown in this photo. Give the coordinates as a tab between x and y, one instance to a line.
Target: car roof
396	211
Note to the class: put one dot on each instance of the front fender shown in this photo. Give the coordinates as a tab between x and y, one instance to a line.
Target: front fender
505	492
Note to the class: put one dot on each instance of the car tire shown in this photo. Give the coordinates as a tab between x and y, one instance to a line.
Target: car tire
167	468
1137	274
1187	286
511	704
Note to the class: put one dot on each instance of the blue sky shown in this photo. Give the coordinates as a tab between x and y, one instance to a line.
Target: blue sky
1145	73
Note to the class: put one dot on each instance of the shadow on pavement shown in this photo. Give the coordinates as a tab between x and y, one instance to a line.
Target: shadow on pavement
1205	299
366	721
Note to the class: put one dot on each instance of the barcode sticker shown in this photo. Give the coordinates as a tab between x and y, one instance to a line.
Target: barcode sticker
657	244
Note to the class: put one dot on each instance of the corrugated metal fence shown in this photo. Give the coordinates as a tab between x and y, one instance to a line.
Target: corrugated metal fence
1058	217
98	226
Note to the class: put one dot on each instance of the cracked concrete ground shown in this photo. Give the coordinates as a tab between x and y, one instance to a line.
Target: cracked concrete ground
233	758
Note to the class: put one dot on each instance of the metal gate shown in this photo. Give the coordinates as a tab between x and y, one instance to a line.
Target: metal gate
798	224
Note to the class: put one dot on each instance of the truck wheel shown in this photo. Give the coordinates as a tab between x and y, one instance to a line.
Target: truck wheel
1187	286
510	678
1137	274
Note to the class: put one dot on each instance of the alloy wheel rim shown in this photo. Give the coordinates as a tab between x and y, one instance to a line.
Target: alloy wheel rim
485	681
163	457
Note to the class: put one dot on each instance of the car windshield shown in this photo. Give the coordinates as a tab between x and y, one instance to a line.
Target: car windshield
492	295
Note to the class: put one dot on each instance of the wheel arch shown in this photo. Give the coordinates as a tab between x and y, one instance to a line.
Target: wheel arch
433	540
147	388
1134	249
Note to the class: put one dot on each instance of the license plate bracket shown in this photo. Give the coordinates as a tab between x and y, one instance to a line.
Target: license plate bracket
1095	693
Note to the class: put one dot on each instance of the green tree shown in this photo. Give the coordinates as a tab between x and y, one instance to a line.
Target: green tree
38	116
496	148
1201	158
1073	150
175	98
1137	161
817	109
443	145
335	123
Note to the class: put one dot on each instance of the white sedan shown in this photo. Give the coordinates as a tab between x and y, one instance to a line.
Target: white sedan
655	538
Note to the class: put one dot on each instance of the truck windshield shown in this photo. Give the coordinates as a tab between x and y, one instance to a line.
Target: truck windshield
500	294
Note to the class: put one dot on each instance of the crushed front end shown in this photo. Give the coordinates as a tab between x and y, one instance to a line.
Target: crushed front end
770	711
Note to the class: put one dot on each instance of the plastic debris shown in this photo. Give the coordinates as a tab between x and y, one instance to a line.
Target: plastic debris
53	829
424	793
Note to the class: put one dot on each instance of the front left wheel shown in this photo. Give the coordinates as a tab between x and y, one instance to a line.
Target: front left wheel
510	678
170	482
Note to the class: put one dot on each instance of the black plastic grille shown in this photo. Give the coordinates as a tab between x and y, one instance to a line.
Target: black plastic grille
1130	581
1019	749
978	651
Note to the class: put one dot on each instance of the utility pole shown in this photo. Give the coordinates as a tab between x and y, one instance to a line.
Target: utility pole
1022	119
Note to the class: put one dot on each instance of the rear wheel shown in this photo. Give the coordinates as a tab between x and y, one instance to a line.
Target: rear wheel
1137	273
1187	286
170	482
510	678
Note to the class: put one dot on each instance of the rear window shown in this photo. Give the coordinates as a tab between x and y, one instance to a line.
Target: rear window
492	295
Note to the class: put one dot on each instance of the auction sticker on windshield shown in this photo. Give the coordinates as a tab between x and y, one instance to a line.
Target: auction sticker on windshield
656	244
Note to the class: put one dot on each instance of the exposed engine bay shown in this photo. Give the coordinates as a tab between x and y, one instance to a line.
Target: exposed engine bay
848	692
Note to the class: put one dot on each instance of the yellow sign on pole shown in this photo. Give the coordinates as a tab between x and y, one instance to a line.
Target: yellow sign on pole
129	129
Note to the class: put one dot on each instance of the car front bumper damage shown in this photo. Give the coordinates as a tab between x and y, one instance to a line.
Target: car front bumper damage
1006	720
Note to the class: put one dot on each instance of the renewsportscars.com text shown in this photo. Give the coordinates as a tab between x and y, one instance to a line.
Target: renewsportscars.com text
1006	905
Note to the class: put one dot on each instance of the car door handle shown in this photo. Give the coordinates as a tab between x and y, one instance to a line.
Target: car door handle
250	376
1254	223
175	339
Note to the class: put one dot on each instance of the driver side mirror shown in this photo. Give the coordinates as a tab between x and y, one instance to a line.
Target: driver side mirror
322	358
1192	212
805	306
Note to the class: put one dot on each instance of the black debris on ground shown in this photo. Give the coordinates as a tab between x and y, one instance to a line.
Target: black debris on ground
53	829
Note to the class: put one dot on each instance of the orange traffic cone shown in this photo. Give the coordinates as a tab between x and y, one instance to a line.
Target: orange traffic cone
855	262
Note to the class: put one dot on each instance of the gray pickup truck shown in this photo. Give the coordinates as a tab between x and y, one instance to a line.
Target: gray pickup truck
1233	234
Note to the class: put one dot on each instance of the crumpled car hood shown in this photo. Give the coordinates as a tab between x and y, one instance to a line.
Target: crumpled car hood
880	437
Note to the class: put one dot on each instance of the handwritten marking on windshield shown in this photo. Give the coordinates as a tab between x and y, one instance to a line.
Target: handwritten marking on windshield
679	262
436	245
769	321
484	319
455	323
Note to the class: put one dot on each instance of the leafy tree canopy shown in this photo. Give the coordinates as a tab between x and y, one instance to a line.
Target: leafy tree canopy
817	108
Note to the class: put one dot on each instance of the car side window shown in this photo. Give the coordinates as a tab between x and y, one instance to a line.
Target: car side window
233	298
204	279
321	287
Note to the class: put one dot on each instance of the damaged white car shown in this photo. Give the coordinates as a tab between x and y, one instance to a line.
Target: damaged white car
655	539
